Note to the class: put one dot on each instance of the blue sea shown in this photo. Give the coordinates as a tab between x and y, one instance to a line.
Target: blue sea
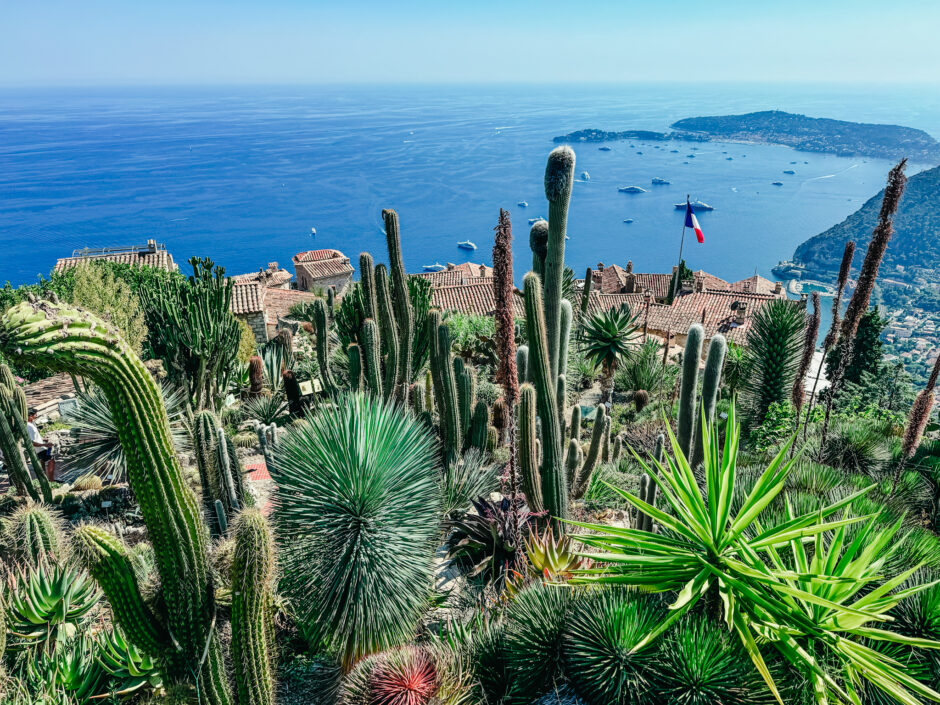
242	174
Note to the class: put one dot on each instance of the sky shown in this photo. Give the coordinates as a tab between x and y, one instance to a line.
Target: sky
121	42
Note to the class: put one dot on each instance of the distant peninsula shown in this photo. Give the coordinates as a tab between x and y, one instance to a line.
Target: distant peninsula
840	137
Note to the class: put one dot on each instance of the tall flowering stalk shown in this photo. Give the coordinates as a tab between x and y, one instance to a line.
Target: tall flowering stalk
832	336
506	373
917	421
861	297
811	332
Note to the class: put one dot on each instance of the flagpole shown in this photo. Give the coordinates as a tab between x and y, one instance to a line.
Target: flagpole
675	286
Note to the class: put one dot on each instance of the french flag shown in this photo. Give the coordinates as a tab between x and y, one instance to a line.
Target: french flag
692	222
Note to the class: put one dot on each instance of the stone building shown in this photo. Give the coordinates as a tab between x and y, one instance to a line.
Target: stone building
150	255
322	269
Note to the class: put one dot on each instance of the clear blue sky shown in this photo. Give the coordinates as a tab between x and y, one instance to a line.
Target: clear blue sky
66	42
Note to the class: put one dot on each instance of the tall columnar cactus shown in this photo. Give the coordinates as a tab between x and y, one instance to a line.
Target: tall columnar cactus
538	243
528	449
574	429
13	461
34	535
63	338
252	598
389	330
559	180
321	322
689	387
354	354
255	375
648	487
445	384
404	314
711	381
564	339
561	397
466	379
295	402
552	470
582	480
226	482
372	356
586	291
479	426
13	433
219	470
370	305
522	363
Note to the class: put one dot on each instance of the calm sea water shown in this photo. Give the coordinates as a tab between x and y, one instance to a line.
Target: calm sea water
243	174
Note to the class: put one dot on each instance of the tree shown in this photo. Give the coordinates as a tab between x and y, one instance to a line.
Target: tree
866	351
98	290
606	342
774	346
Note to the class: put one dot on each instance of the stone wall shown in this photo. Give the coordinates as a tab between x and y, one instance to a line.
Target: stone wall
255	321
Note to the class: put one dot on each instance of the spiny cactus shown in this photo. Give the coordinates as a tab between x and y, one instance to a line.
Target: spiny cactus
466	379
648	487
522	363
554	483
295	402
538	243
445	386
321	318
389	331
528	450
62	338
13	433
582	480
13	461
35	534
617	450
219	471
711	381
404	314
371	352
479	427
220	518
565	335
252	597
689	387
574	429
370	305
559	179
354	353
586	292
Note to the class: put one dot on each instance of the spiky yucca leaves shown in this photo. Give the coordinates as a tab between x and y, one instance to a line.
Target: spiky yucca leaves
552	559
774	347
601	657
534	636
857	446
97	447
606	340
463	481
60	337
357	495
252	597
33	534
700	664
404	676
265	409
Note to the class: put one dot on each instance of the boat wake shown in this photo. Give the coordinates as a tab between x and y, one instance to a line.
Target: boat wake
831	176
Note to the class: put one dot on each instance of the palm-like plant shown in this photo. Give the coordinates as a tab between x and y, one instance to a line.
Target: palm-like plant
606	340
706	548
97	448
358	497
643	372
774	347
265	409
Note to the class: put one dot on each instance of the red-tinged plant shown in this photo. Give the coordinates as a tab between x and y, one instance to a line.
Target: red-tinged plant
406	676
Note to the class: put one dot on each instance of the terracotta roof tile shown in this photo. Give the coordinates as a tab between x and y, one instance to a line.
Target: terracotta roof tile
161	259
757	285
322	263
248	297
477	298
268	278
714	307
277	303
657	283
605	302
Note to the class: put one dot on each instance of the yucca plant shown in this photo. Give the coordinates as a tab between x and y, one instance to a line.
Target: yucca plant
404	676
774	347
534	636
46	603
265	409
857	446
606	341
705	548
469	477
97	448
358	500
603	657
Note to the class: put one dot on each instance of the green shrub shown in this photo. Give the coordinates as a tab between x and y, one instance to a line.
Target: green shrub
467	479
357	494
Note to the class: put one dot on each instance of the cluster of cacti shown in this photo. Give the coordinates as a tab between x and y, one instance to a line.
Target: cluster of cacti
14	435
253	649
692	411
60	337
267	439
33	534
220	473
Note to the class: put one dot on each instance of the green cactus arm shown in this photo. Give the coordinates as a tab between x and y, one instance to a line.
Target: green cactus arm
109	562
522	364
538	243
389	331
322	329
554	483
12	403
370	303
61	337
252	572
404	315
574	430
466	379
565	336
583	481
561	399
528	450
559	179
479	426
711	381
13	461
225	483
369	339
586	292
689	387
355	366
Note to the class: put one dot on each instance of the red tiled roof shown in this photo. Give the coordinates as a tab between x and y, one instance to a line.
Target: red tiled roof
446	277
318	255
605	302
248	297
161	259
277	303
266	277
657	283
716	307
613	279
710	281
757	285
322	263
477	298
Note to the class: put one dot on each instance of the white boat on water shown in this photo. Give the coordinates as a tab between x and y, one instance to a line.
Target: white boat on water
631	189
466	245
522	204
313	231
659	182
697	206
436	267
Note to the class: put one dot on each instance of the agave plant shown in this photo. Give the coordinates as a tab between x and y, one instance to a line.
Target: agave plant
707	549
358	497
404	676
47	603
129	669
96	447
265	409
67	673
551	558
606	340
